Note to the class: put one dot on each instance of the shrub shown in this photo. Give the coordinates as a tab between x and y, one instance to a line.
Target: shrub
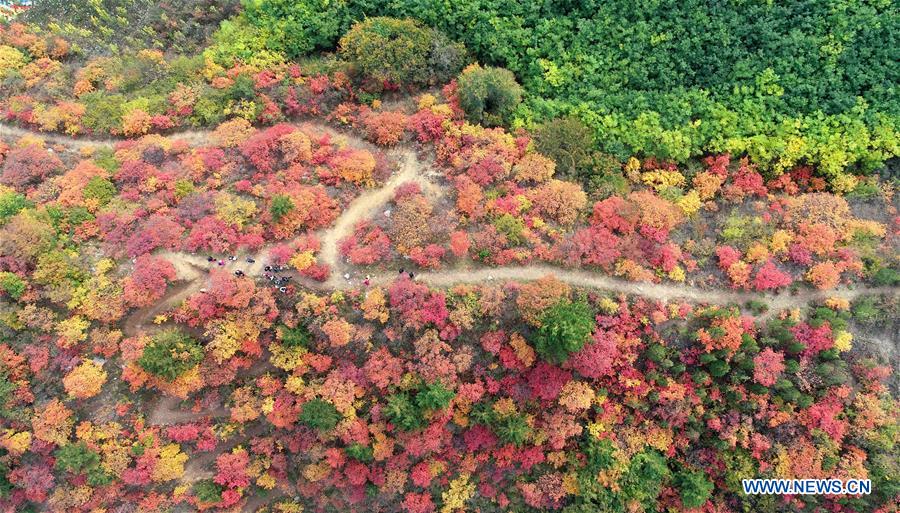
28	166
295	27
11	60
385	128
510	428
12	285
359	452
99	189
77	459
170	354
319	414
568	142
695	488
488	95
511	227
281	205
565	327
401	412
103	112
408	410
886	277
11	203
208	492
295	337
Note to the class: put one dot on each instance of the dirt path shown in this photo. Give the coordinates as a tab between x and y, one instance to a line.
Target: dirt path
7	131
661	291
193	270
362	208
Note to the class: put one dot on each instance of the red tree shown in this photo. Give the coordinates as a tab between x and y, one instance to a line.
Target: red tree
29	166
769	277
148	281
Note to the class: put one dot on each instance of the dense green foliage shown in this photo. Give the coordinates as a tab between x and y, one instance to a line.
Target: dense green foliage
488	95
295	337
787	83
170	354
695	488
319	414
565	327
408	410
12	285
281	206
77	459
208	491
401	52
108	26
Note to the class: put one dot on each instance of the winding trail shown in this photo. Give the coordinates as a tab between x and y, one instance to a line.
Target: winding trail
192	269
192	137
193	274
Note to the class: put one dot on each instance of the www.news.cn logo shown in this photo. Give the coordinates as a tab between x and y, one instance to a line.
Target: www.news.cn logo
806	486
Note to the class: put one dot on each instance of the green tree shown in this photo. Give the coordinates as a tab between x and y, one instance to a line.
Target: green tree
12	285
488	95
77	459
569	142
402	412
564	328
360	452
402	51
170	354
320	414
100	189
281	206
694	486
295	337
207	491
11	203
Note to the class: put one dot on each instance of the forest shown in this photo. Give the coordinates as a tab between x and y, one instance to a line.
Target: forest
275	256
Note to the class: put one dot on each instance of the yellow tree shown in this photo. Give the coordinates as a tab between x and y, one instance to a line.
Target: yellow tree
85	381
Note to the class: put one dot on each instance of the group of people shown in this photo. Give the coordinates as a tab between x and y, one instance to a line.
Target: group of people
272	276
270	271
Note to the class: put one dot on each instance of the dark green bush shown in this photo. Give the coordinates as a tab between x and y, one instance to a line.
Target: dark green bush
408	410
565	327
320	414
488	95
100	189
170	354
281	206
208	491
401	412
401	51
694	487
569	142
295	337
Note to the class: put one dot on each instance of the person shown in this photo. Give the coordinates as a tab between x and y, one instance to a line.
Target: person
210	259
282	289
232	258
221	262
366	282
411	275
401	271
239	273
250	260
